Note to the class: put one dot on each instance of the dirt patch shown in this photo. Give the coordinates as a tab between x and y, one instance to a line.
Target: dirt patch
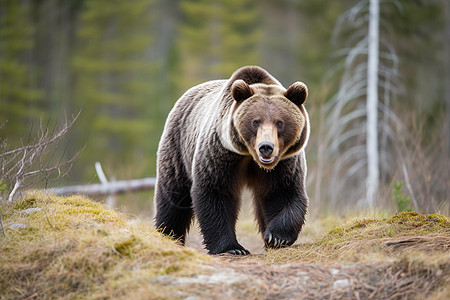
250	278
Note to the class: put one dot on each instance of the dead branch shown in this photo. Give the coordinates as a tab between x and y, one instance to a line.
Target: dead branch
43	139
1	225
107	188
36	162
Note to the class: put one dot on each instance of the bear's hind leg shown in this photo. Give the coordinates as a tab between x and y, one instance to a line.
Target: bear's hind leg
173	210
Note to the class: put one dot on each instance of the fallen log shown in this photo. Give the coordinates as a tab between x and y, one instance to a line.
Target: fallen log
107	188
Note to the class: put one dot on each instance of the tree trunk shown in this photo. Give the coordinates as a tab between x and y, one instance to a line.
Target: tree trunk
372	104
447	74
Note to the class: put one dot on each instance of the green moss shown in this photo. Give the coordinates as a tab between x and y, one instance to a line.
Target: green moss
125	247
166	253
102	232
171	269
341	233
361	223
405	216
437	218
338	231
416	223
27	202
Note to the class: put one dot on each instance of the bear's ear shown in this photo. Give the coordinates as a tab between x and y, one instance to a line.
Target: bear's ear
241	90
297	93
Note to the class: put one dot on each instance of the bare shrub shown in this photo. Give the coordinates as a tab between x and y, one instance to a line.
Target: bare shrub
37	161
423	165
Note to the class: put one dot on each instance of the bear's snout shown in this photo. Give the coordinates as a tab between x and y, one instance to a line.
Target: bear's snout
266	148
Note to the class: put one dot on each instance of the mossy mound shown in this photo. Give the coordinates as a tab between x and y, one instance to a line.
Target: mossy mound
72	247
373	239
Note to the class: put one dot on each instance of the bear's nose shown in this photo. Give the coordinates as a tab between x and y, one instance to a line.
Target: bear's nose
265	148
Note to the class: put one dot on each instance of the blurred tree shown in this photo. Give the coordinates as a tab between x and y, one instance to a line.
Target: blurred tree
21	100
113	83
216	38
164	88
447	74
419	32
125	64
351	141
293	39
54	37
411	90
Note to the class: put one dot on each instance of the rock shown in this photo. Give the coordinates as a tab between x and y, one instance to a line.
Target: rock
31	210
334	271
162	279
228	276
341	283
17	226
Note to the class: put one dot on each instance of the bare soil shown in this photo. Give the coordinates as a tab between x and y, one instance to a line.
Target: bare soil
250	277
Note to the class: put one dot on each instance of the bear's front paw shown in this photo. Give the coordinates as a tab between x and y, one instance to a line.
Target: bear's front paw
238	252
276	240
234	249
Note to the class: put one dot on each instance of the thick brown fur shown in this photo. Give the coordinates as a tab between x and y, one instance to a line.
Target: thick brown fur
224	135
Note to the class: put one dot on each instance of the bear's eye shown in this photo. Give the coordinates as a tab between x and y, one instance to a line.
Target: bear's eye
255	123
279	124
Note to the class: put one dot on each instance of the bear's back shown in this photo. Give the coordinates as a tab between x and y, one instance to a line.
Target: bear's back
192	115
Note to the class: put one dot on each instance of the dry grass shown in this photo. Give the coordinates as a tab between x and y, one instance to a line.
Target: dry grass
73	248
76	248
369	240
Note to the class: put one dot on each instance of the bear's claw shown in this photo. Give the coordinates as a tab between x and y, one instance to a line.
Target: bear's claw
273	242
238	252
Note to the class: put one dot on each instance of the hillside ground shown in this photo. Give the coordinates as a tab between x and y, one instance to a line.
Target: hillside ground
75	248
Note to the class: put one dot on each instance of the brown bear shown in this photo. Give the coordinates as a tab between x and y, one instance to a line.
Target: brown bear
224	135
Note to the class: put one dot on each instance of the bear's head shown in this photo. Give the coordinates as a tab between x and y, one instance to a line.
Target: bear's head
271	121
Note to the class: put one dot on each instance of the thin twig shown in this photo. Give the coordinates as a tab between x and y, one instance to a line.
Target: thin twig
1	224
3	124
408	186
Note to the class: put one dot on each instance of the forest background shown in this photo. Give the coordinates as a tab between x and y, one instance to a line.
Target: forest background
123	64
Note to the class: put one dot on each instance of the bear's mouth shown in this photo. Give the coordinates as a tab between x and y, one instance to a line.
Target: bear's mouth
266	160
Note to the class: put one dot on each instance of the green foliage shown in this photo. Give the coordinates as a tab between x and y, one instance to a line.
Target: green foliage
216	38
21	100
112	84
401	202
125	64
320	18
